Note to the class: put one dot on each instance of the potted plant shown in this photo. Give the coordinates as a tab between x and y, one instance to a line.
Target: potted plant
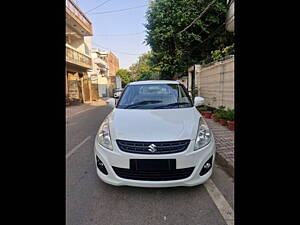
222	118
214	115
207	114
219	114
230	119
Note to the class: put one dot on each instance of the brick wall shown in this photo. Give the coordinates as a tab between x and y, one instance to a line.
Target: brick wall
113	65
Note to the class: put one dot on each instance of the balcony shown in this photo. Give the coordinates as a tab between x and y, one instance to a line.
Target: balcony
77	20
100	62
78	58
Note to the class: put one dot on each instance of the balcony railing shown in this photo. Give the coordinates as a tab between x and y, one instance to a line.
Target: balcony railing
76	12
100	62
75	57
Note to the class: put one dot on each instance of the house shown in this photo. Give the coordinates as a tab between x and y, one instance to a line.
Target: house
99	74
78	56
113	67
105	66
118	82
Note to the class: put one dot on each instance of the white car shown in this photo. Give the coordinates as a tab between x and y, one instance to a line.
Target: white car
154	137
117	93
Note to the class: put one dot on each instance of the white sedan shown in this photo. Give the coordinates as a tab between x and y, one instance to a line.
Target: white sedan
154	137
117	93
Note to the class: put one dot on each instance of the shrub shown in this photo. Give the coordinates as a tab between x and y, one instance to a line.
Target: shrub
219	112
230	115
221	108
221	53
202	109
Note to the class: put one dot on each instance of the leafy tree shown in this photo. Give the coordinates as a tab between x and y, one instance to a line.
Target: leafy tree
221	53
144	68
174	51
125	76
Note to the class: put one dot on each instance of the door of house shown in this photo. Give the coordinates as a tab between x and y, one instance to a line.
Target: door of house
86	89
79	86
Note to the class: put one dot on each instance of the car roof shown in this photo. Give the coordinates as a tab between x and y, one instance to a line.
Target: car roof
154	82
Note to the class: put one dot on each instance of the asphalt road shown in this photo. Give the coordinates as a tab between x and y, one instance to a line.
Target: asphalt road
89	201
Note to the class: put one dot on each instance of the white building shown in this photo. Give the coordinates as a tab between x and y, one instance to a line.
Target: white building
99	72
118	82
78	59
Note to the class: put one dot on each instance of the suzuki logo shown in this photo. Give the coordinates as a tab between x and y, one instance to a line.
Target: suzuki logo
152	148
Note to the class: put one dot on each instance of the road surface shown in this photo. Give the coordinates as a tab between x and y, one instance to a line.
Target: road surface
89	201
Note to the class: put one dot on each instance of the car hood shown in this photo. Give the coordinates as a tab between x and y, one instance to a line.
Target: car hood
154	125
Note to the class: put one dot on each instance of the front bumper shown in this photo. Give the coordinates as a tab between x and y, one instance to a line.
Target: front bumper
185	159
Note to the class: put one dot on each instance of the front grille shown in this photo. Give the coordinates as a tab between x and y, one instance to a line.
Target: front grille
163	175
166	147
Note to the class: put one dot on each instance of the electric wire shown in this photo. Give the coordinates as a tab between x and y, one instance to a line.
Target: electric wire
118	35
198	17
118	10
120	52
97	6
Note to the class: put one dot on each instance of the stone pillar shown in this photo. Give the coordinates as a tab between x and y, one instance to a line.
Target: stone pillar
197	78
189	81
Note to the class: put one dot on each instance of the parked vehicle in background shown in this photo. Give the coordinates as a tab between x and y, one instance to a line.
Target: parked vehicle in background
154	137
118	92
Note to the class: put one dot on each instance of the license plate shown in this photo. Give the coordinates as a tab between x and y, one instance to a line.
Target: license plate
152	164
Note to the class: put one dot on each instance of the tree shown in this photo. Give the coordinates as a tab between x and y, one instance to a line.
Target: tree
125	76
174	51
144	68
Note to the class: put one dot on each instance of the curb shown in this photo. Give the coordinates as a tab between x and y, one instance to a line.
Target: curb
223	162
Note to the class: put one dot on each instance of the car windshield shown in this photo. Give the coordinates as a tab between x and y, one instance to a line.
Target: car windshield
154	96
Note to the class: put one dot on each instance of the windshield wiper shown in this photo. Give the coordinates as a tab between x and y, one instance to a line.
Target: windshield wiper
141	103
173	104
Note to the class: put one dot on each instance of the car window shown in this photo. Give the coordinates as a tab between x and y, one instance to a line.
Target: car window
154	96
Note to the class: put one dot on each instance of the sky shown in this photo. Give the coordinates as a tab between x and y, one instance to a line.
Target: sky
114	31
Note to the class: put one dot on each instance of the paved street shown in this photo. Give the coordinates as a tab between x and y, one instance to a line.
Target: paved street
89	201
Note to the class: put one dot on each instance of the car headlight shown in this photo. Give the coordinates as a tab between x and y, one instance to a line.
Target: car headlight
103	135
203	135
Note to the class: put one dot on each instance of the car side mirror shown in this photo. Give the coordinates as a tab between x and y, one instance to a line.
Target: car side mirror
111	101
198	101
